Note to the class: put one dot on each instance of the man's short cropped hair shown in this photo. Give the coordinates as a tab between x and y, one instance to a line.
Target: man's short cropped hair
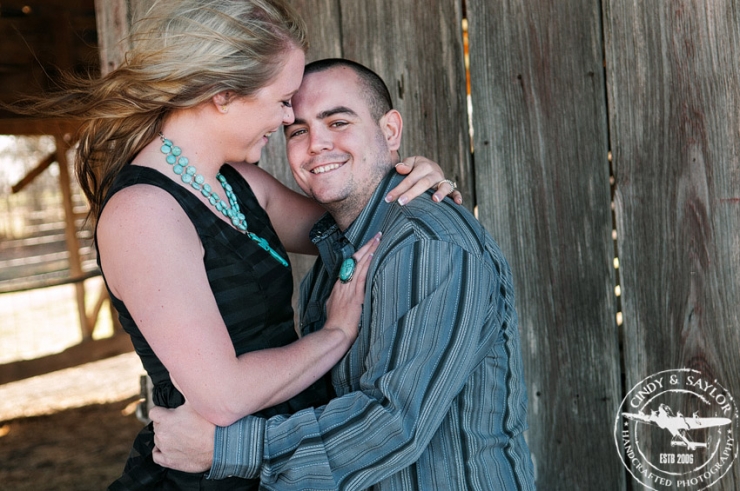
377	94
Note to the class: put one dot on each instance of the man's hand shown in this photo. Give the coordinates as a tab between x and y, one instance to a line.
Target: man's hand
183	439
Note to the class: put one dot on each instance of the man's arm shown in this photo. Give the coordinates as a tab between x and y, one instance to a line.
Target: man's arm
426	340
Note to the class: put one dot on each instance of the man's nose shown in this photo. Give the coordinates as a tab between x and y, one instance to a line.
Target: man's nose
319	141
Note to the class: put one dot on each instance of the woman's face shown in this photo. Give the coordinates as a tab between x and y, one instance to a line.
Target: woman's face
254	118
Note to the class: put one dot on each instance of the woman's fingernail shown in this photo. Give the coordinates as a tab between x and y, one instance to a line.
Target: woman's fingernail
388	198
402	200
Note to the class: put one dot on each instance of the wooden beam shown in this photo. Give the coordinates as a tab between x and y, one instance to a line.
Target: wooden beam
34	173
70	232
33	126
85	352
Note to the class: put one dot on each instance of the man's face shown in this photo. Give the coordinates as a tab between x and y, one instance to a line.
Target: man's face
337	151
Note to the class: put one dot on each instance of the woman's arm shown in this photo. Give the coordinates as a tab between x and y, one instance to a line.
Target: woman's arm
153	261
293	214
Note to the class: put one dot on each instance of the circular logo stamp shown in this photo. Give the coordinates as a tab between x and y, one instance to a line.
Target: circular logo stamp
676	429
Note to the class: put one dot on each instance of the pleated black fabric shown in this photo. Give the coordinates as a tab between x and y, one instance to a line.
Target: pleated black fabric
253	293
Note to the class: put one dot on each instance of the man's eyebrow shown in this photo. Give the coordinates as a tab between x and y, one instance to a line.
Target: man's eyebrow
335	110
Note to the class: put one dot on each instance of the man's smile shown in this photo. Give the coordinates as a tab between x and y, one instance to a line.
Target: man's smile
325	168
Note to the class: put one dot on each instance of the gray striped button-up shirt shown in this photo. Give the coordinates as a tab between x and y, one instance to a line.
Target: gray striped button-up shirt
431	396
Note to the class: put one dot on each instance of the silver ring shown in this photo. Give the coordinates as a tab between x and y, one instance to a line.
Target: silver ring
347	270
451	183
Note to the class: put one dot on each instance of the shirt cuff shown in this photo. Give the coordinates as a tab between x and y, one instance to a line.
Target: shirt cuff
238	449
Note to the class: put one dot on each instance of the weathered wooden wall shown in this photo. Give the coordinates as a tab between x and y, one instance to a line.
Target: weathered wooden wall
674	117
542	175
114	19
555	87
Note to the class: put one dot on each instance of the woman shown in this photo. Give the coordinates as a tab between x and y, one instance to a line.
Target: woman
193	251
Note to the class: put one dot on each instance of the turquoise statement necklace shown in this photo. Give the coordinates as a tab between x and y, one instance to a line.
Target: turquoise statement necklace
189	175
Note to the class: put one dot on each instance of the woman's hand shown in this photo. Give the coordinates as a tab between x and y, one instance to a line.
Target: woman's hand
344	306
422	174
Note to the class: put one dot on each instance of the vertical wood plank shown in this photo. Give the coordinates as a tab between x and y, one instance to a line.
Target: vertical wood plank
323	23
416	47
674	105
70	235
114	19
542	175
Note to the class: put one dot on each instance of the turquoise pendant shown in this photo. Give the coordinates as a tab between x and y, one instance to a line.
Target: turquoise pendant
264	245
347	270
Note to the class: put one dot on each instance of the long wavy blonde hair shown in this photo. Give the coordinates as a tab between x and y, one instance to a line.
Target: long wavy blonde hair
184	52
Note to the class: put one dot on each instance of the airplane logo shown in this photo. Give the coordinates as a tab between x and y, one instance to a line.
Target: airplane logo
678	425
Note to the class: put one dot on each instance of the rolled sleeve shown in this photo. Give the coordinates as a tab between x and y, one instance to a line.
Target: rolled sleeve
238	449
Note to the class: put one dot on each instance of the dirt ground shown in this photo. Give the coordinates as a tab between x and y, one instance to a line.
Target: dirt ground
74	429
64	450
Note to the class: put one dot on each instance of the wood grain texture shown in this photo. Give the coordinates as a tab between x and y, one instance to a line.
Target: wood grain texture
416	46
674	100
114	19
542	175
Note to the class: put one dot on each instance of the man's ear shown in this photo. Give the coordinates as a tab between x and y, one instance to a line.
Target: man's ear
392	126
221	101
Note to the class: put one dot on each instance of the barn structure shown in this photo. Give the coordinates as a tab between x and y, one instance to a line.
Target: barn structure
598	141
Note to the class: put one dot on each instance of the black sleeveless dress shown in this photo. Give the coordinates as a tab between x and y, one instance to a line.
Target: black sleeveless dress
253	292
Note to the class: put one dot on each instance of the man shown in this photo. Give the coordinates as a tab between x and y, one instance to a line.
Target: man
431	396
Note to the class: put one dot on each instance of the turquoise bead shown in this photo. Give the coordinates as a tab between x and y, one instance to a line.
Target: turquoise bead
189	175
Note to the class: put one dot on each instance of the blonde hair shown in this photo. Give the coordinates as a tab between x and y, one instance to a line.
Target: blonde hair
184	52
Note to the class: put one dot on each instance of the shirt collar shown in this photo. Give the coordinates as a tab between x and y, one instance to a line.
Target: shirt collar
335	246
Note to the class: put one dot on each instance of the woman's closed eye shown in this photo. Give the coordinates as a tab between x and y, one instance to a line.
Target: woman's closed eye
298	132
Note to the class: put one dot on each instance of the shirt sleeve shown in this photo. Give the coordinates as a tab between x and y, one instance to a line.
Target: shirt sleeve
431	318
238	449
